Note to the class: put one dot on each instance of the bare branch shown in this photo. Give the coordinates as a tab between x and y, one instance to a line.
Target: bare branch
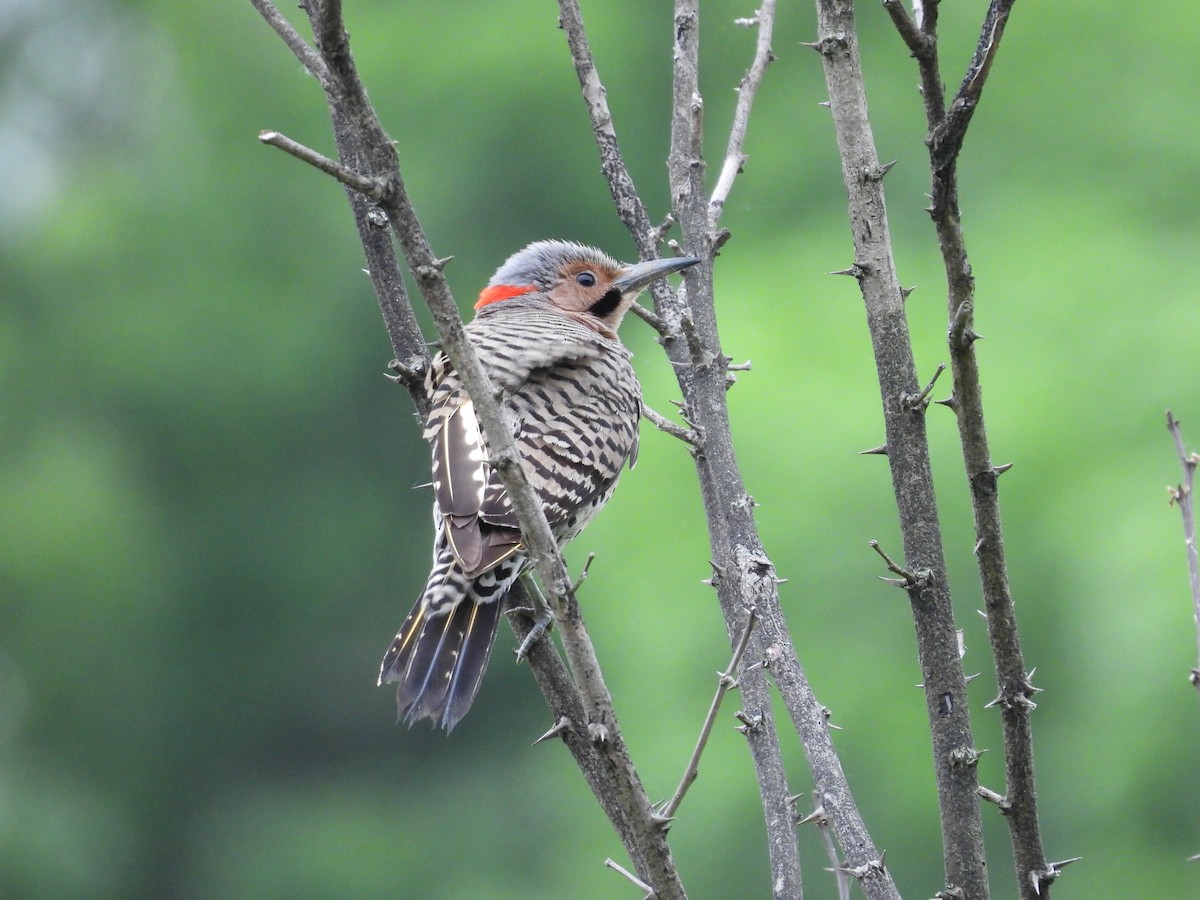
947	130
746	89
688	435
308	57
651	318
637	882
373	188
725	680
1183	496
908	455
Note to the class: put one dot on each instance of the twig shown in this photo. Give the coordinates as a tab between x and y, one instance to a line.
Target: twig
637	882
908	457
1183	496
725	680
650	318
308	57
662	423
735	158
373	188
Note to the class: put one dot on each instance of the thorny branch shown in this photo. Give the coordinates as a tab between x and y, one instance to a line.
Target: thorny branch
364	147
947	126
1183	495
907	454
743	574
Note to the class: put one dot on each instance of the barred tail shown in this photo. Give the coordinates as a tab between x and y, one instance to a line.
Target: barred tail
438	661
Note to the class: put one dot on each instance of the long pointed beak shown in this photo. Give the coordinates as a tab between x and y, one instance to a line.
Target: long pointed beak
637	276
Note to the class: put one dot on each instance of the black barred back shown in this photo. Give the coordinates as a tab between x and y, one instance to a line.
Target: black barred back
575	404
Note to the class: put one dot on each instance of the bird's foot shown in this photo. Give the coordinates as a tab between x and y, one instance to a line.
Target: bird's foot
542	620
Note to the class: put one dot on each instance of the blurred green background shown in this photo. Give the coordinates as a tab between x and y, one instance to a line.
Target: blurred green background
208	533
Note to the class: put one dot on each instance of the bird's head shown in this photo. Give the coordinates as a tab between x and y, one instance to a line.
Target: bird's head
582	281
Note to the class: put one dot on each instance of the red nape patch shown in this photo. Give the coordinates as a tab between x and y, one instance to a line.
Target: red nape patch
498	292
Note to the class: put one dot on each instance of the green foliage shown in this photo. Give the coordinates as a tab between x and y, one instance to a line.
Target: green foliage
208	534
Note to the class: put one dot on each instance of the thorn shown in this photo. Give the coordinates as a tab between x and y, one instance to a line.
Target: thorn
894	582
855	271
969	678
1001	469
562	726
877	171
871	865
825	103
904	292
663	822
598	733
818	816
950	402
1051	872
749	723
433	268
881	450
965	756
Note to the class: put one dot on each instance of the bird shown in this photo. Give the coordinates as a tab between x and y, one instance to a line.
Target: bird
545	331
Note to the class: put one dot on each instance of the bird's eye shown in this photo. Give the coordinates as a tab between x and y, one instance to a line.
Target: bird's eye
587	279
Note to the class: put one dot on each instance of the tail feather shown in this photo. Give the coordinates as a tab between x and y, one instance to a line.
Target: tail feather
438	661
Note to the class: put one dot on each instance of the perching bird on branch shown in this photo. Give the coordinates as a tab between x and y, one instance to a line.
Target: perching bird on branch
546	333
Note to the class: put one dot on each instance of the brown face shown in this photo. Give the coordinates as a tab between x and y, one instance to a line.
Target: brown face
587	287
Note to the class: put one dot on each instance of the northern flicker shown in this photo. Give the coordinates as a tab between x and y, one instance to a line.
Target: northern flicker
546	333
